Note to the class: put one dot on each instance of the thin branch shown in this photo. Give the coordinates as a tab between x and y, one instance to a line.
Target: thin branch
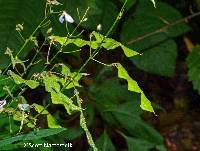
162	29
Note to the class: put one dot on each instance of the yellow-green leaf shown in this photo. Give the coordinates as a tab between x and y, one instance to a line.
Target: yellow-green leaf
51	83
133	86
60	98
50	119
18	80
100	41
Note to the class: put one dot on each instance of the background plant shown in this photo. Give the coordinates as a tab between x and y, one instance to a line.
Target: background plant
36	45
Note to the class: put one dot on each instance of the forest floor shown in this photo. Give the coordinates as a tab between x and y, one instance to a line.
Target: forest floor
179	120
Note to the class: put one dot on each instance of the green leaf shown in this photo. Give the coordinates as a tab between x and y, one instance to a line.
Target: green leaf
135	144
104	143
73	133
131	121
50	119
138	144
18	80
145	23
68	74
109	93
193	61
163	56
60	98
32	135
65	70
133	86
15	12
31	83
100	41
52	122
5	81
152	33
51	83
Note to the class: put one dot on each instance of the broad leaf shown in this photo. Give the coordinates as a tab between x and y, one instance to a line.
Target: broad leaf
131	121
108	94
149	31
15	12
5	81
60	98
162	56
52	85
138	144
145	23
133	86
100	41
104	143
50	119
18	80
135	144
32	135
193	61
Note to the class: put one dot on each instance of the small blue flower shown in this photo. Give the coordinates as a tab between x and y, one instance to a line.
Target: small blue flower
62	18
2	103
65	17
23	107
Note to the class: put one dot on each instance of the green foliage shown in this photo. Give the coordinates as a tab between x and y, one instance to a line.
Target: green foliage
104	143
15	12
149	33
18	80
5	81
137	127
100	41
140	145
59	98
133	86
194	68
162	56
50	119
62	84
120	108
32	135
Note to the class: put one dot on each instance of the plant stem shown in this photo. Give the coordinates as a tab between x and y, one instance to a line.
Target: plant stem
162	29
99	47
26	42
